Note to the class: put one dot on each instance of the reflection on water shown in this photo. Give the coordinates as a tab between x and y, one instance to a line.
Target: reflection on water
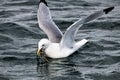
99	59
44	70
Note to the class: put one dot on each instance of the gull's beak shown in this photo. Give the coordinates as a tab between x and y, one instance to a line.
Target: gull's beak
38	52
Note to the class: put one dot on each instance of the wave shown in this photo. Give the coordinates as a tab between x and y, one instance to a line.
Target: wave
16	30
103	25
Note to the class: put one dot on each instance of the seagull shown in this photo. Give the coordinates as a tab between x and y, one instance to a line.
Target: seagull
59	45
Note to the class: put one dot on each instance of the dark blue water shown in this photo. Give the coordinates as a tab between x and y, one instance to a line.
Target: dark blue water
99	59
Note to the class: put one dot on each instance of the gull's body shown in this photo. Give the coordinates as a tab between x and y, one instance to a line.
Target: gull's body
54	50
58	45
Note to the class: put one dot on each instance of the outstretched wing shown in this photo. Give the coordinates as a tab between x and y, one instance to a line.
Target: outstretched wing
68	38
46	23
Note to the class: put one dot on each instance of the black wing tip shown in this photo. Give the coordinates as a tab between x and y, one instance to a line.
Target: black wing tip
44	2
107	10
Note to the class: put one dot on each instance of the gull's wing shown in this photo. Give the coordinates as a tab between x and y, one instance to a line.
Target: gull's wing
68	38
46	23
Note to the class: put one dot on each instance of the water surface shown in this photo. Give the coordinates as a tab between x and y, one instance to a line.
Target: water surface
99	59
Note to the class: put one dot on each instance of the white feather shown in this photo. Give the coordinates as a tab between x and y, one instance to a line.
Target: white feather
55	47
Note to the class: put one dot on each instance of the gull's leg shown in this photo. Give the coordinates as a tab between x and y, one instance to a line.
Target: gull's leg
46	59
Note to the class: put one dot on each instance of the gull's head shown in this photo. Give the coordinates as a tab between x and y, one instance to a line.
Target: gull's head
42	45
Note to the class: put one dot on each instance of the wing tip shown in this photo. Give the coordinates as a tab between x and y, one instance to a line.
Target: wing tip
107	10
44	2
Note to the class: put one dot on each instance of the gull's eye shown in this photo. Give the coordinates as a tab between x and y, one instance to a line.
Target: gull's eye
43	45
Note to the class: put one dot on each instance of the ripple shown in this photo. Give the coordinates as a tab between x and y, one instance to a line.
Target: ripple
67	78
5	39
21	3
103	25
9	58
99	59
15	30
2	77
